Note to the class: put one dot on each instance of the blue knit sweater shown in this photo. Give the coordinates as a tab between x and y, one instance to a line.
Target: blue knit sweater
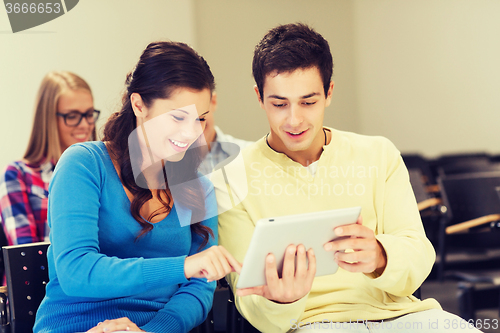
97	268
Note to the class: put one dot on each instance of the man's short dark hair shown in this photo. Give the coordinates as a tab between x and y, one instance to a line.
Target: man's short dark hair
288	47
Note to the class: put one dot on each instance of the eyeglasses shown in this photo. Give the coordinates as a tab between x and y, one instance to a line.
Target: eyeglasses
74	118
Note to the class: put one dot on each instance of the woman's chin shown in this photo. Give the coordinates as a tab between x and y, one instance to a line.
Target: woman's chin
175	157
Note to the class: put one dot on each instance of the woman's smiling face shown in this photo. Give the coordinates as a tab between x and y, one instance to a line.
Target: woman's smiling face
170	126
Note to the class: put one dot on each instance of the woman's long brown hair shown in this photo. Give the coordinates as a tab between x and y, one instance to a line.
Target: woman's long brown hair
162	68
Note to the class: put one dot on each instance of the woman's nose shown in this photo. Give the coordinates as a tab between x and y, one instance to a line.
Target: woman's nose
192	131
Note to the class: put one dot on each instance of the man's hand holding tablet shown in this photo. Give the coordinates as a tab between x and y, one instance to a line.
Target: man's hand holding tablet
287	252
368	256
296	280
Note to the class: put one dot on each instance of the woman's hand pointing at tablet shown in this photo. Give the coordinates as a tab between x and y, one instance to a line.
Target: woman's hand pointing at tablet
213	264
296	280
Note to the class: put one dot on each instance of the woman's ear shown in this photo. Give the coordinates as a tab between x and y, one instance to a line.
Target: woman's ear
140	109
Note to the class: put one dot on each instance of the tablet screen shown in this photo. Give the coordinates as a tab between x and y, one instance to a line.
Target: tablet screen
273	235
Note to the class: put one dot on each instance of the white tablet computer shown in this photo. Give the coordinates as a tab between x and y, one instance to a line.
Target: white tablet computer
273	235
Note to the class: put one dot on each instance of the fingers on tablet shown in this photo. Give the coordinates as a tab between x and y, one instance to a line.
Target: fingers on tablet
312	264
235	265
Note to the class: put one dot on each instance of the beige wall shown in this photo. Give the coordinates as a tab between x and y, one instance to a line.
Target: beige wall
428	73
424	73
98	40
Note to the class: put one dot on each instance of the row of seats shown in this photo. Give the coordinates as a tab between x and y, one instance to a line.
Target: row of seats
26	275
459	200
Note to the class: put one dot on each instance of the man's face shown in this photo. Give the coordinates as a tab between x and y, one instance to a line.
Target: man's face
295	104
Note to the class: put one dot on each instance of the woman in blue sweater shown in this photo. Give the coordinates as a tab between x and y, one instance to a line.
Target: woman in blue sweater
133	225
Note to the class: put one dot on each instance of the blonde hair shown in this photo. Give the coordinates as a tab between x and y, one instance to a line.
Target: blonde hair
44	144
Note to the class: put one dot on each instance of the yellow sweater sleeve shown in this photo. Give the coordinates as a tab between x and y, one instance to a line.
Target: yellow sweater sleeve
410	255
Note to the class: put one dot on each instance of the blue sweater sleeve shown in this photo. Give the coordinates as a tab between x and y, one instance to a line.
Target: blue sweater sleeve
73	218
190	305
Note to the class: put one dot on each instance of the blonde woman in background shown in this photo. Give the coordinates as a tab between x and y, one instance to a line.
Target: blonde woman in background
64	115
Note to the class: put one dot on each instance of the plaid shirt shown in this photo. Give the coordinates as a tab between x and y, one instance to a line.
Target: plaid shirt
24	193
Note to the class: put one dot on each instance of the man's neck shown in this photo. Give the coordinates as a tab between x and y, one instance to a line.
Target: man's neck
304	157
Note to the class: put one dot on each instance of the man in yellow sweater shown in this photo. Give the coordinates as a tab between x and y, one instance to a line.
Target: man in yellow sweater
302	166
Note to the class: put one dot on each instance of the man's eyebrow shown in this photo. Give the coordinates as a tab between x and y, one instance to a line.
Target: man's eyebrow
301	97
310	95
276	97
